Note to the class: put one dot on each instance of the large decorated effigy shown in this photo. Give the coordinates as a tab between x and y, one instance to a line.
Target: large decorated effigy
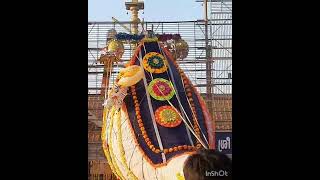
154	117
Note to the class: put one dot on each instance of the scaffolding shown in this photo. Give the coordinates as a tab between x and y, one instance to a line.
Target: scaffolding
208	64
220	40
194	65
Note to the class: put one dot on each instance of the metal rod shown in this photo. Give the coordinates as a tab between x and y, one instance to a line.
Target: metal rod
208	58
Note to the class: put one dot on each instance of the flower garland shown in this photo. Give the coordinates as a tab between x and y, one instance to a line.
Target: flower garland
154	39
136	38
144	133
161	89
129	37
154	62
189	89
167	116
144	155
166	37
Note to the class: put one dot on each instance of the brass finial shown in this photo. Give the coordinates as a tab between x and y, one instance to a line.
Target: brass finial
134	6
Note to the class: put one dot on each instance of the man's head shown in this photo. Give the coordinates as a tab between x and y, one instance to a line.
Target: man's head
207	164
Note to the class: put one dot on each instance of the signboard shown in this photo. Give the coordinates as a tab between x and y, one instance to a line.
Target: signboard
224	142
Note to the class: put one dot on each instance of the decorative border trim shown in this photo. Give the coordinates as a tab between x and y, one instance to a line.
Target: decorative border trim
209	122
124	108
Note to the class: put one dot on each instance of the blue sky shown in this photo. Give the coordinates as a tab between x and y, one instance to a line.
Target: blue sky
154	10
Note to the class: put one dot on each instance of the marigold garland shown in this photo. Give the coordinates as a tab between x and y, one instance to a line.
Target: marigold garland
189	88
154	39
145	135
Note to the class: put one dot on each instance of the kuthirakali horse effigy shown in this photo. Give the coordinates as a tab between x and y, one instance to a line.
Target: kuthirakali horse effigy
154	118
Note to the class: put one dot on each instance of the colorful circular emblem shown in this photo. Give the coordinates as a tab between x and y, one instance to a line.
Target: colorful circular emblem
161	89
154	62
167	116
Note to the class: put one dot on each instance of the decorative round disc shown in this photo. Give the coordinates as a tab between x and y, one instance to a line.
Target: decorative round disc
161	89
154	62
167	116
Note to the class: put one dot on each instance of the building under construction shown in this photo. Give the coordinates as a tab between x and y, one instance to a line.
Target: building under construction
208	65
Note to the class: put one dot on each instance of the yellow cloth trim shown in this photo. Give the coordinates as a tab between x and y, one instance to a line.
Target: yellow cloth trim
103	138
108	152
104	123
122	153
113	158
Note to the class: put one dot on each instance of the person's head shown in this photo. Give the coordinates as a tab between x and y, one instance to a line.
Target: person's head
207	164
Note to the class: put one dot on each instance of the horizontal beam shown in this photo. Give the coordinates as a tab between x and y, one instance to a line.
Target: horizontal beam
190	47
185	70
149	22
215	84
180	63
217	39
198	22
226	12
218	24
216	78
196	85
214	47
215	58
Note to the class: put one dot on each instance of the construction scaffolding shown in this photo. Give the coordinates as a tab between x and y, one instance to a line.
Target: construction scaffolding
208	64
194	65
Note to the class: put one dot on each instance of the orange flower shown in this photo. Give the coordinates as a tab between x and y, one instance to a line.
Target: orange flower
165	151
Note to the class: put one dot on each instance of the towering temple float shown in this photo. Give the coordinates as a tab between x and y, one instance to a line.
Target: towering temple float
154	118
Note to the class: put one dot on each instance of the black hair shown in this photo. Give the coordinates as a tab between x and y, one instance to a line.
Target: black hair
207	164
